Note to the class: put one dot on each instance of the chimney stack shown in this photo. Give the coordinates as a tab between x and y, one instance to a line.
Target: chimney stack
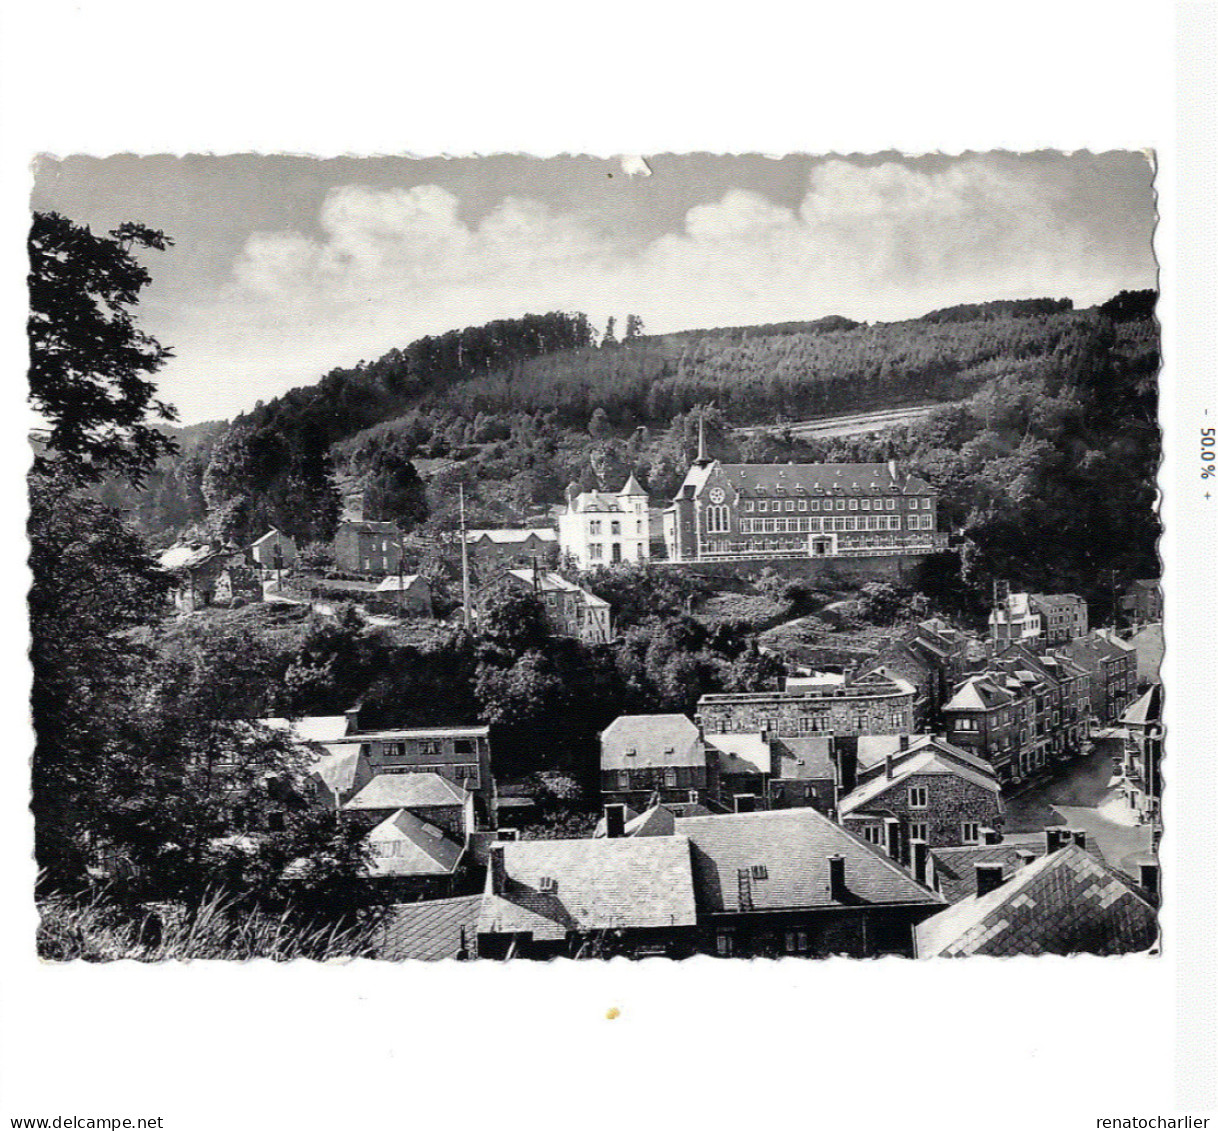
845	753
888	766
1077	836
892	837
1148	879
352	714
1026	856
989	877
1054	838
837	878
991	836
615	821
498	869
904	743
746	802
919	859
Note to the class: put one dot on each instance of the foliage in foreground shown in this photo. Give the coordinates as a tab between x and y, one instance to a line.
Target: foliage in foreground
96	930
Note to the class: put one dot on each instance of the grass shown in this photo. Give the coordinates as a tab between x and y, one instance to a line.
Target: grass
95	930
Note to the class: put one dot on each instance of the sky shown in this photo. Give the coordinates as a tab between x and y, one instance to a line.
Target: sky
284	267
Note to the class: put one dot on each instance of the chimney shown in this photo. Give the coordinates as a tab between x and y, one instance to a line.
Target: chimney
746	802
991	836
892	469
1148	879
1054	838
888	766
892	837
845	752
498	869
919	860
837	878
989	877
1077	836
1026	856
904	743
352	714
615	821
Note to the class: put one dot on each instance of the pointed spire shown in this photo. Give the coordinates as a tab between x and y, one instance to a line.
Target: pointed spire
702	460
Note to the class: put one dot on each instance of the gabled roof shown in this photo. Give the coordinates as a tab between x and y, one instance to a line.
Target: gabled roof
429	930
956	868
1064	903
926	761
272	533
395	584
312	728
339	770
650	736
792	846
403	845
740	753
624	882
656	821
810	479
632	487
407	791
874	749
184	557
510	537
978	693
1147	709
402	733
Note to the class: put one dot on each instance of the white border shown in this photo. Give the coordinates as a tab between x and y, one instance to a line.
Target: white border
999	1044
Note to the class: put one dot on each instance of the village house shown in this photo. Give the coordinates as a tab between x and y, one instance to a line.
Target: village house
790	881
1112	666
933	656
738	512
938	794
416	858
367	547
659	820
1063	616
805	772
273	551
1065	902
652	755
874	703
493	550
601	528
1147	643
570	609
595	897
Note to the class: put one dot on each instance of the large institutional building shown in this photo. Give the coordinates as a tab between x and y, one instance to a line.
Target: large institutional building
742	511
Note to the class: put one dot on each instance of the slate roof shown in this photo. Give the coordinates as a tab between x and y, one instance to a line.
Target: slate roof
1147	709
403	845
926	761
509	537
1064	903
402	733
792	846
810	479
624	882
548	582
804	759
978	693
339	769
394	583
740	753
873	749
407	791
656	821
429	930
312	728
956	868
650	736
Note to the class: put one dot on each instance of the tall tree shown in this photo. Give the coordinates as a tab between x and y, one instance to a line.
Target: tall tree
90	364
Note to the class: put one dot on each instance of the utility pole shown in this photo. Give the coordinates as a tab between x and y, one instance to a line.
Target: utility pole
464	559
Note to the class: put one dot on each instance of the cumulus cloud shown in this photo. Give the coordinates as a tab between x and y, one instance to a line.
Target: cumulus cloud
871	240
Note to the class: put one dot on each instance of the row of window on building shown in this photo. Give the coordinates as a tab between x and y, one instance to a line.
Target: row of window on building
763	505
720	524
615	527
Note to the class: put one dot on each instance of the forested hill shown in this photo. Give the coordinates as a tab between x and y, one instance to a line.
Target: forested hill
533	403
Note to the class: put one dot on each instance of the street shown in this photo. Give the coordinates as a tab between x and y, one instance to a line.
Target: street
1085	797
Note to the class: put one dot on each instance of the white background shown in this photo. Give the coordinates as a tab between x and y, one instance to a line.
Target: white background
1054	1042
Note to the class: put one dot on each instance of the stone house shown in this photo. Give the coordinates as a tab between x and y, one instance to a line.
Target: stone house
367	547
646	756
570	609
273	551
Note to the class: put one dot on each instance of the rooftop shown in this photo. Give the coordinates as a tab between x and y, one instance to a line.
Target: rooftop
1064	903
741	753
791	847
510	537
407	791
811	479
652	738
430	930
956	868
404	845
551	887
928	760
